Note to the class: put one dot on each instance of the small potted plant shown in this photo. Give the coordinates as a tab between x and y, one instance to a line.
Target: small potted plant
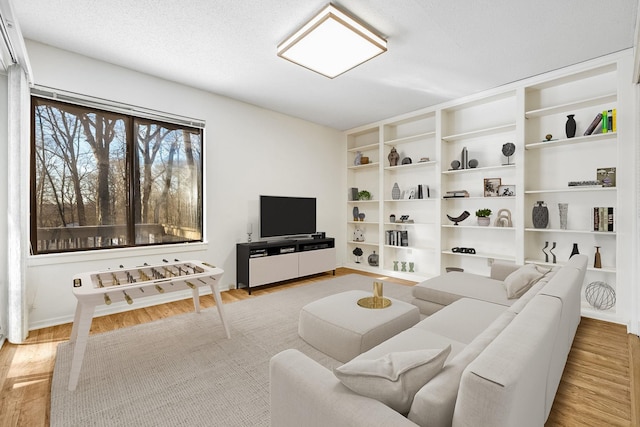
364	195
483	216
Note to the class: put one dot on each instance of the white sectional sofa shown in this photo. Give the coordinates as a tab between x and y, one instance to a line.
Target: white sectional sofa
503	368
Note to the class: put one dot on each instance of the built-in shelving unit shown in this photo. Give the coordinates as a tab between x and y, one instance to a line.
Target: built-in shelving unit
532	115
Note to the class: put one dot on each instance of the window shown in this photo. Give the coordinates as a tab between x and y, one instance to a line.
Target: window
103	179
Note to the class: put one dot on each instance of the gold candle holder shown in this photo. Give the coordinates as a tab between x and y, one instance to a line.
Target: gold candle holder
377	290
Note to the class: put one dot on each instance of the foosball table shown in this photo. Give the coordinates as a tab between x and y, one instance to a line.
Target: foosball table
128	284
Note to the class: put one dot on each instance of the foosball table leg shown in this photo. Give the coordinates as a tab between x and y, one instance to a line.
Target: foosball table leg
196	298
79	335
220	307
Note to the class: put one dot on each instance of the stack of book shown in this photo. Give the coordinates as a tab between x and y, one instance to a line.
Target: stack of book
607	119
603	219
456	193
397	237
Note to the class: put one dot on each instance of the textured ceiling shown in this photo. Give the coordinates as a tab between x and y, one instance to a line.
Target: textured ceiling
438	50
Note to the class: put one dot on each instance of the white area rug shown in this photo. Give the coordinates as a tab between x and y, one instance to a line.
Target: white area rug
183	371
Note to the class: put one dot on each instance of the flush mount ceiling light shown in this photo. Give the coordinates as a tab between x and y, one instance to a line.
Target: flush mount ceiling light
331	43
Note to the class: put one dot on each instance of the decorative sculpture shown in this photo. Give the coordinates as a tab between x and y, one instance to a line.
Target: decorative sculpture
600	295
393	157
464	215
507	150
503	219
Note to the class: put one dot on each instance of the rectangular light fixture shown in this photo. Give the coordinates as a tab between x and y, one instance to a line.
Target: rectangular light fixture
331	43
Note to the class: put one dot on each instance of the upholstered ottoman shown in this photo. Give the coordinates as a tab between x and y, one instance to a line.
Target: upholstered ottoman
337	326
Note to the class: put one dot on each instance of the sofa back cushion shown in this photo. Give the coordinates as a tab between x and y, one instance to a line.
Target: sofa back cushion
506	384
434	403
519	305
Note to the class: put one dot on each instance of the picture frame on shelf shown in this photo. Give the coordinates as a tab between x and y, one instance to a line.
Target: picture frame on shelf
507	190
606	177
410	194
492	186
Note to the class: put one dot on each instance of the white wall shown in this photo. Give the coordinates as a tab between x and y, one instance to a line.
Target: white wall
249	151
3	197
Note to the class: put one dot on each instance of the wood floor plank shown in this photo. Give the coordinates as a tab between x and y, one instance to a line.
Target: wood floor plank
596	389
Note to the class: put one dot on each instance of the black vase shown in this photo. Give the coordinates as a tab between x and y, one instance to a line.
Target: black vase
540	215
574	251
570	126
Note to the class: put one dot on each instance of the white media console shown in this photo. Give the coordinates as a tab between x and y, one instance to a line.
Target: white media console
262	263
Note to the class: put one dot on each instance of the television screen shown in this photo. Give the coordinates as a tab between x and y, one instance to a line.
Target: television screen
287	216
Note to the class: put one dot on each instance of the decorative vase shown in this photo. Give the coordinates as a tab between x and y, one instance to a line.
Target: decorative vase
574	251
395	265
546	255
484	221
597	261
356	211
373	259
540	215
411	265
392	218
570	126
395	192
358	235
361	216
564	210
404	265
551	252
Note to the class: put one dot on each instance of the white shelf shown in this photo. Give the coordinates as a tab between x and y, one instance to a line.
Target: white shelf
482	255
353	242
367	147
479	227
410	165
557	230
479	197
410	200
569	141
411	138
611	270
362	201
571	190
482	169
410	247
408	223
582	103
480	132
363	222
367	166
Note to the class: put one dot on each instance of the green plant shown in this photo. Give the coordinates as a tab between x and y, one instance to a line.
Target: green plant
481	213
364	195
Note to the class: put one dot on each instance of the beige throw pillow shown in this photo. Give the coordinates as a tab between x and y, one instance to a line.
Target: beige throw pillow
521	280
395	378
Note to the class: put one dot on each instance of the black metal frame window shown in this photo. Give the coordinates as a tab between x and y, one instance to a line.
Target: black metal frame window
103	179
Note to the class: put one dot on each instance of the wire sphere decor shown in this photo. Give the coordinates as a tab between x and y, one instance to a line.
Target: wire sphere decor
600	295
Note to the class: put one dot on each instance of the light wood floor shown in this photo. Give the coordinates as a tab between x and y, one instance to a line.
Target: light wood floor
598	385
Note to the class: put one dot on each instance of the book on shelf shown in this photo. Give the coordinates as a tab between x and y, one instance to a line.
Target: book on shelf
397	237
594	124
614	126
604	219
456	193
609	120
605	121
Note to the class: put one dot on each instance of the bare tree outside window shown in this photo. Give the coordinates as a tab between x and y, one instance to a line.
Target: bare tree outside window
104	180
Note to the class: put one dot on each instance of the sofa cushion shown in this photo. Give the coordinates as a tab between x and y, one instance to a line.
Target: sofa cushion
521	280
519	305
452	286
395	378
462	320
434	403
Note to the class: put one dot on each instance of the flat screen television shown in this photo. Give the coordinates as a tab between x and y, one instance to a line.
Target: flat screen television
282	216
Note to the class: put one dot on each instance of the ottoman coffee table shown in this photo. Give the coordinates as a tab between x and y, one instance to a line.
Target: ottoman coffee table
337	326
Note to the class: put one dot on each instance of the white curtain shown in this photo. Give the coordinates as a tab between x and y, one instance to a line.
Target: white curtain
17	204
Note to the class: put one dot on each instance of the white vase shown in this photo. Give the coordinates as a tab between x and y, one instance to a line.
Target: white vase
564	210
484	221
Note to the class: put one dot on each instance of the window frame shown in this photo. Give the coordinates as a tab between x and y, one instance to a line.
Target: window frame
130	114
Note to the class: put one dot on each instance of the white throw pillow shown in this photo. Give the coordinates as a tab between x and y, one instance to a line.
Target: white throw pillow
395	378
521	280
